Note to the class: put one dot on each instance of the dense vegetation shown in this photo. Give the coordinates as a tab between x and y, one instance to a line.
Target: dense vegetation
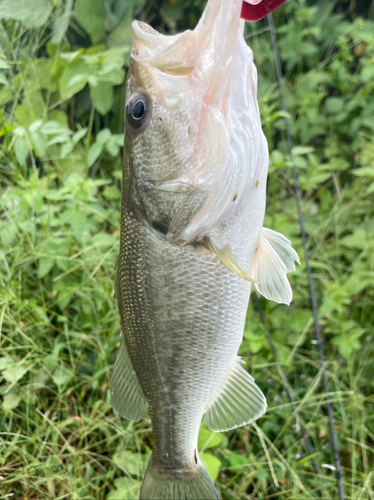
62	73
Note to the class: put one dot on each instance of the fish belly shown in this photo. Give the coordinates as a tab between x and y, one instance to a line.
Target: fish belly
183	316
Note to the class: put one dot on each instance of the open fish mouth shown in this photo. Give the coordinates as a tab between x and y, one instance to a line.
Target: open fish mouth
208	78
204	50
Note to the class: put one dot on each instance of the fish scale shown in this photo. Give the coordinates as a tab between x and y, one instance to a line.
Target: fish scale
169	324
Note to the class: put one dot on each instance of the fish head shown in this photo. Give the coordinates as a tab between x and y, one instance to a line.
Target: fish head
194	141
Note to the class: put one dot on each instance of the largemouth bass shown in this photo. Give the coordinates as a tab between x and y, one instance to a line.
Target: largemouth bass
192	242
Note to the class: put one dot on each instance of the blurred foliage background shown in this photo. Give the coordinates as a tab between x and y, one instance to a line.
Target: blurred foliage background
62	73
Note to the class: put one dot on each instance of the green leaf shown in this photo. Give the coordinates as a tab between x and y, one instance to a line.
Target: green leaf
78	221
356	240
3	63
6	95
368	122
45	265
132	463
256	341
102	96
32	14
61	376
38	203
114	144
3	79
21	149
346	345
62	264
15	372
61	23
126	489
367	74
364	172
5	361
11	401
8	235
66	149
76	67
334	105
121	36
64	298
25	115
35	126
78	79
91	15
54	127
262	473
53	194
79	135
104	239
103	136
238	460
209	439
6	129
69	57
93	80
93	153
112	193
302	150
39	142
212	465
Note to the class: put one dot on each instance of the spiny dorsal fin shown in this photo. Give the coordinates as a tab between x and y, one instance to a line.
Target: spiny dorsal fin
274	258
126	394
239	402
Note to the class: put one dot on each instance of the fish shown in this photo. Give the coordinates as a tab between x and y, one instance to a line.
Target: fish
192	243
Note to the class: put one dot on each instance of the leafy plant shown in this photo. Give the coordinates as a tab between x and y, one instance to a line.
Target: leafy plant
62	73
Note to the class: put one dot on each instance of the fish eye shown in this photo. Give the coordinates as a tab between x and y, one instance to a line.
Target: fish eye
138	111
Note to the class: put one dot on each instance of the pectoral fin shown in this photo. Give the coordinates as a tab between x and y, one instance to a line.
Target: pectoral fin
274	258
225	255
240	402
127	396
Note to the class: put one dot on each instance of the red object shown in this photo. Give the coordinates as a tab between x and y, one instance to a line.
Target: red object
254	10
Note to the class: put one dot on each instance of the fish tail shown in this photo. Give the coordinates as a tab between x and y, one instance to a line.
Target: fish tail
164	485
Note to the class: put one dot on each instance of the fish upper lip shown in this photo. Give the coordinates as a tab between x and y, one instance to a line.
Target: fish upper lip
145	31
217	27
152	41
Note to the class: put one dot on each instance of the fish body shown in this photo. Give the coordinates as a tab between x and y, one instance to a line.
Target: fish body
192	242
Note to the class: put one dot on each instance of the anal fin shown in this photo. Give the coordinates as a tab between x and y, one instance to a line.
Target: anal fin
126	394
240	402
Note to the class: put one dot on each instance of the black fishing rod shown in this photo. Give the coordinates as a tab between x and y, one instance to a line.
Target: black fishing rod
321	350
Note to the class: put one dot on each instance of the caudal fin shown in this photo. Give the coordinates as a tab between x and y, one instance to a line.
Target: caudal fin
194	485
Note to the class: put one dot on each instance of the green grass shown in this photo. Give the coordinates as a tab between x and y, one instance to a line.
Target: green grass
60	170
